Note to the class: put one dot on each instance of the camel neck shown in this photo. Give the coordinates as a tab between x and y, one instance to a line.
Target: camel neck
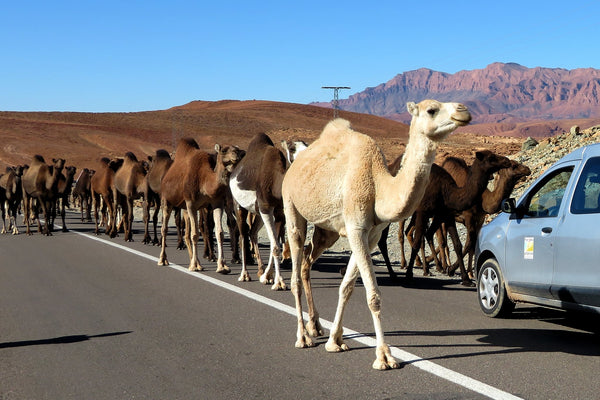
398	196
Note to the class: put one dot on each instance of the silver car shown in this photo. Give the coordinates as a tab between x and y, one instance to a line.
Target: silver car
544	249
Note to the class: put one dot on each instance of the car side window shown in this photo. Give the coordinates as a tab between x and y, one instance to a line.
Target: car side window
586	197
545	199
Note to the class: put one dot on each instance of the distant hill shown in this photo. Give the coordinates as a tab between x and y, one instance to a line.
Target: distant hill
83	138
509	94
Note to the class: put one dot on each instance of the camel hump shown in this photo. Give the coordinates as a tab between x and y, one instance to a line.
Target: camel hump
38	158
260	140
162	153
188	142
105	160
130	156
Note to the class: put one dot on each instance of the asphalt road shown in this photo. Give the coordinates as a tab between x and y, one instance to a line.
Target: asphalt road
87	317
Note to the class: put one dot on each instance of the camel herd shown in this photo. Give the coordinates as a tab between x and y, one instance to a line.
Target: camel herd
341	184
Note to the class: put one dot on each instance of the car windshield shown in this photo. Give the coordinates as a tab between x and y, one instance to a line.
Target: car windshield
545	199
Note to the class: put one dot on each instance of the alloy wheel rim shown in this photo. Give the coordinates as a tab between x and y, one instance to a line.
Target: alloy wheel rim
488	288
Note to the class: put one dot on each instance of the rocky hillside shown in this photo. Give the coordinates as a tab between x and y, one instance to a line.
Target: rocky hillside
506	94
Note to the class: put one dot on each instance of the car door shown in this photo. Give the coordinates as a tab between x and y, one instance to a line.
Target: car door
576	276
531	234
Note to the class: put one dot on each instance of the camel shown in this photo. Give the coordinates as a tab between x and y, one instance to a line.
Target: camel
11	185
82	192
159	164
65	186
128	185
255	185
342	185
491	200
443	198
191	184
40	183
102	192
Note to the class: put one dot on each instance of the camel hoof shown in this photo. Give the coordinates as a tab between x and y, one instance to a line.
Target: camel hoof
304	342
193	268
333	347
384	359
467	283
244	277
279	286
264	279
163	262
314	328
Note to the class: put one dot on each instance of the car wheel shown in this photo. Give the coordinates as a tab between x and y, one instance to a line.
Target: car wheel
491	291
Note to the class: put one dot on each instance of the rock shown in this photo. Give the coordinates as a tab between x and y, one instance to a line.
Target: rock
574	130
528	144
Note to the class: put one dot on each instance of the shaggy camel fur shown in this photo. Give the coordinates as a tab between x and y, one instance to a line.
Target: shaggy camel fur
255	185
40	183
10	182
342	185
83	193
191	184
128	185
444	198
473	218
102	192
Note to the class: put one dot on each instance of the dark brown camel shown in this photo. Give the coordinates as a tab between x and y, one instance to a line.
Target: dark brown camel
40	183
128	184
159	165
443	198
12	187
474	217
256	188
191	184
82	191
65	186
102	192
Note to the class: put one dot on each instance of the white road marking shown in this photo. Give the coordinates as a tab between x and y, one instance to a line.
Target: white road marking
416	361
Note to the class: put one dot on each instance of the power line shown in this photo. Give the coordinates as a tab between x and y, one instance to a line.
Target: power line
335	102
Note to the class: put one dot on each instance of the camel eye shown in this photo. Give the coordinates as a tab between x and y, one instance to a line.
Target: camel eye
431	111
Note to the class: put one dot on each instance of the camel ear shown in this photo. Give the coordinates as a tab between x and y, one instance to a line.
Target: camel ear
412	108
479	155
218	148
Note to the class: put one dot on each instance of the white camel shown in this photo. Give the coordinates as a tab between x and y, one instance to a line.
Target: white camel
341	184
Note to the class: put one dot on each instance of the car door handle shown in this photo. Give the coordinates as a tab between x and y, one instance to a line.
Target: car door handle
547	229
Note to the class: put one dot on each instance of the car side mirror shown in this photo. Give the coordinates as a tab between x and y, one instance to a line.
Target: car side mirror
509	206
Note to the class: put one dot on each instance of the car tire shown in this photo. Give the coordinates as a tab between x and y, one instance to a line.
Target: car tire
491	292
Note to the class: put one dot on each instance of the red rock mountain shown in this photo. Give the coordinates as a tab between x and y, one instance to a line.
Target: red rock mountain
509	94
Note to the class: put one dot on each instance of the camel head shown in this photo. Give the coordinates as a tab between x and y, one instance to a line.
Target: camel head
293	148
229	156
437	120
58	164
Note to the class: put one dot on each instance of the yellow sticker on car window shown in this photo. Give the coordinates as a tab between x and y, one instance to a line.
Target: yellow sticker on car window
528	248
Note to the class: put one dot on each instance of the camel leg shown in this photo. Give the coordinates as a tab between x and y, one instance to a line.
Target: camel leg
146	218
166	213
360	262
129	221
191	236
243	229
268	219
321	241
257	223
154	224
458	249
296	232
218	218
383	248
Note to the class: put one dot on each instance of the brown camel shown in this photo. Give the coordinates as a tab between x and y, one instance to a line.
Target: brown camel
256	188
444	198
40	183
11	185
128	185
82	192
159	165
65	186
102	193
191	184
342	185
474	217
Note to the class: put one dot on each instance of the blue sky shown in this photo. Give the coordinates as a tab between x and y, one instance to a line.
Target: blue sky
121	56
